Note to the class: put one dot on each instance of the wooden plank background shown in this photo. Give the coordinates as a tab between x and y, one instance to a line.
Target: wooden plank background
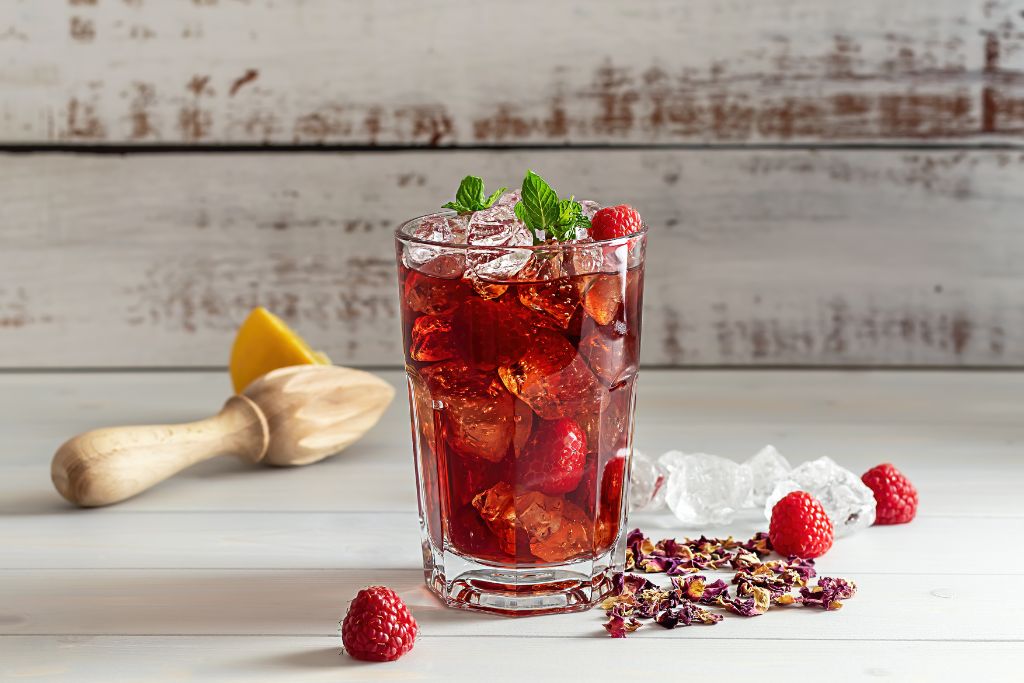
828	183
461	72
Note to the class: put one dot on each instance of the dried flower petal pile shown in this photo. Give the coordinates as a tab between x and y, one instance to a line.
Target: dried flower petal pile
686	601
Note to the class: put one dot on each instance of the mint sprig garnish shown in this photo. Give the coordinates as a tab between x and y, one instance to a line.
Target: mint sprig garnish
546	215
470	196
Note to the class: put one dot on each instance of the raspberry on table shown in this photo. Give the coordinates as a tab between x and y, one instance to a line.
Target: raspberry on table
378	626
895	496
800	526
615	221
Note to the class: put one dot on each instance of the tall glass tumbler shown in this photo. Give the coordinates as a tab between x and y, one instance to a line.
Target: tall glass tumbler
522	366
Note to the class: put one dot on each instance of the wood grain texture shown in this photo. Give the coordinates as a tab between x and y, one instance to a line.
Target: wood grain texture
307	603
102	659
132	593
274	541
930	422
454	72
832	257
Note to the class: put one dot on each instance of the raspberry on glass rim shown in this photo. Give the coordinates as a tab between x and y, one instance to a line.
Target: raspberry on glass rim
615	221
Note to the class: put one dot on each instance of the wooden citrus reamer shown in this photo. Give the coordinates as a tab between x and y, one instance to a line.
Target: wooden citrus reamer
291	416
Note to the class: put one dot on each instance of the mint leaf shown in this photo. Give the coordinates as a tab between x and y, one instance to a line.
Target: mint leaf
542	211
520	211
471	191
470	196
568	211
455	206
539	204
489	202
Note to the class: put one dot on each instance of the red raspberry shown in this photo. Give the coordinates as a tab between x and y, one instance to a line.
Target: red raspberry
553	459
378	626
611	485
895	496
615	221
800	526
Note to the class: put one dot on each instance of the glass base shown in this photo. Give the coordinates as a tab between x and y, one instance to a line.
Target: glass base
521	591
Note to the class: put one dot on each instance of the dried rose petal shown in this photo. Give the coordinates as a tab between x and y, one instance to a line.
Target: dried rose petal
829	592
618	626
759	584
713	591
754	606
687	614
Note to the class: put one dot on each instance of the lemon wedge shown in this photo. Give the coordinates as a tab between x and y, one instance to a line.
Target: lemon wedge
264	343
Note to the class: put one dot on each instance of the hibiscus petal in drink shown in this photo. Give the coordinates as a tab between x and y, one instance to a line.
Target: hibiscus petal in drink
433	296
477	412
611	352
602	298
551	378
432	339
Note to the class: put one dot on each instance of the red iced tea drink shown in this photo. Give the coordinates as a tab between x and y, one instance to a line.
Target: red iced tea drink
522	362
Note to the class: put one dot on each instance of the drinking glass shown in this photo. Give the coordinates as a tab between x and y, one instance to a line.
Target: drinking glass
522	367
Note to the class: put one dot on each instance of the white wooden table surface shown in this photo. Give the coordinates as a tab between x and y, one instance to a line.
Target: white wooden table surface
235	573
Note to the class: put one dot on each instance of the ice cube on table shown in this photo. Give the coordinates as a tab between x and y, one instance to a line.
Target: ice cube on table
769	468
848	502
497	227
646	484
705	489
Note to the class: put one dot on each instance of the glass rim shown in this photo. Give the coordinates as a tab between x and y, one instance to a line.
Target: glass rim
402	236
